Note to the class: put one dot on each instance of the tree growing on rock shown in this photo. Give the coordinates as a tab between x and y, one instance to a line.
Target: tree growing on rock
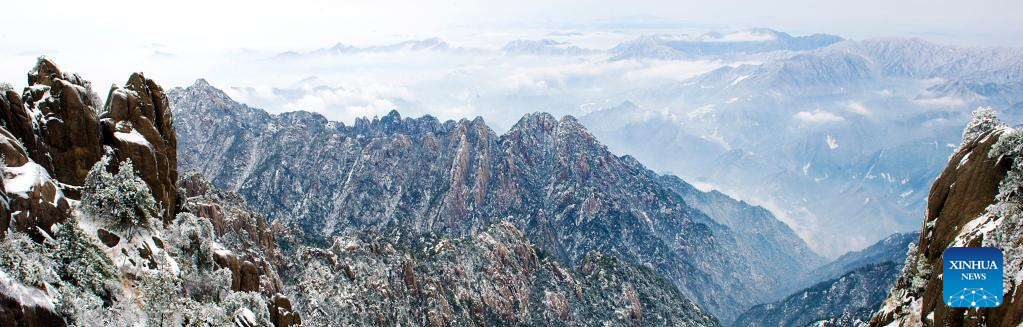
983	119
122	200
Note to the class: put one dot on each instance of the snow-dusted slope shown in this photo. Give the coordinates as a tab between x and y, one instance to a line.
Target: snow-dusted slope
892	248
847	300
548	176
493	278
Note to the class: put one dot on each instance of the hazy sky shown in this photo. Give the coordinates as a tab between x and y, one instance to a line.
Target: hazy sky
176	42
107	40
53	25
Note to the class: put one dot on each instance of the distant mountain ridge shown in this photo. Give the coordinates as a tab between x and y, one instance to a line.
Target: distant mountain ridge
549	177
429	44
848	300
893	248
843	292
743	42
859	129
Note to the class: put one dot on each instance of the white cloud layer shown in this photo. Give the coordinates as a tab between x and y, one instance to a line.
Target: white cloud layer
817	117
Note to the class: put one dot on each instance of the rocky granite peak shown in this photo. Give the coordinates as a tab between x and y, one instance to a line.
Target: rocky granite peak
92	228
549	177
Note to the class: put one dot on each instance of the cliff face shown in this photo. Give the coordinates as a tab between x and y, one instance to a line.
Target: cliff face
92	231
972	203
496	278
63	129
549	177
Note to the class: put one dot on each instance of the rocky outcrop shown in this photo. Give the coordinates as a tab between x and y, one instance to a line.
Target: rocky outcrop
51	136
61	127
496	278
138	124
255	255
65	112
962	210
244	275
281	313
20	124
33	202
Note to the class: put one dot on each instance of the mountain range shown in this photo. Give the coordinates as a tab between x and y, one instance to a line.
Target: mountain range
688	215
859	130
548	177
113	244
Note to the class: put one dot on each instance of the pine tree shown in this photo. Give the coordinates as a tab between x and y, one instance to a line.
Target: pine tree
983	120
121	200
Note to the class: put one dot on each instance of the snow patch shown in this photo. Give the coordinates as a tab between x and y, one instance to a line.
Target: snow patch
832	143
28	296
132	137
21	180
740	79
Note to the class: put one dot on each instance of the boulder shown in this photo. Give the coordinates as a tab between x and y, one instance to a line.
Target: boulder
109	239
281	313
33	202
15	313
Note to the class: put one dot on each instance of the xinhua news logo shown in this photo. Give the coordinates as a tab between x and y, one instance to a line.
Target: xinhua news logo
972	277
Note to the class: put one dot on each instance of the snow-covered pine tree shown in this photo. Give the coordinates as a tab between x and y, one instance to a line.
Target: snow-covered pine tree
982	120
122	200
1007	210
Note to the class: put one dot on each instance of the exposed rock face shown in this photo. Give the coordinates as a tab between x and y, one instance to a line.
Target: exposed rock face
281	313
33	202
958	214
20	124
548	176
496	278
15	313
256	255
65	111
139	125
61	129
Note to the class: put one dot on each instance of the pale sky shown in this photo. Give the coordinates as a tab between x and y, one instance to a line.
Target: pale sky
259	24
176	42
